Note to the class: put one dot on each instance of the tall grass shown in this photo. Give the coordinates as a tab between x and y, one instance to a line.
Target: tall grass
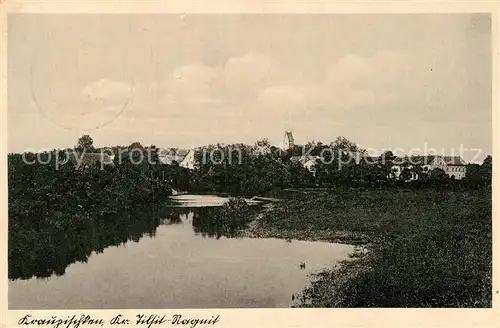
426	248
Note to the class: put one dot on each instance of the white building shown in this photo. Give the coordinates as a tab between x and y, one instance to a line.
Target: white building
189	160
452	165
455	166
309	162
183	157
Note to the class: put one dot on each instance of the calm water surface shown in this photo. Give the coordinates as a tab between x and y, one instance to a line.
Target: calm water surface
185	262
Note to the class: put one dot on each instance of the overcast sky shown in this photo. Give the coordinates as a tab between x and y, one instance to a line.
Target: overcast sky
383	81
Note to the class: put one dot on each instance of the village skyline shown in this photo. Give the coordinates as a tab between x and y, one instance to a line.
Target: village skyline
469	155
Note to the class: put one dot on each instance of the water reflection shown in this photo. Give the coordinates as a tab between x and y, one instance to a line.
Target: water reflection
157	258
206	223
44	247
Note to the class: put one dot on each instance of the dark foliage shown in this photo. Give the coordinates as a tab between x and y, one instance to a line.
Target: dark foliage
59	214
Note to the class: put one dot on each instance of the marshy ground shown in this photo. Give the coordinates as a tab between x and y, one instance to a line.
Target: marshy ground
426	248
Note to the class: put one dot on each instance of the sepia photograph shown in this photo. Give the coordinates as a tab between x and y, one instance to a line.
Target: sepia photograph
227	161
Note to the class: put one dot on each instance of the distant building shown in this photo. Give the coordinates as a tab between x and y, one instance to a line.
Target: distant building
288	142
183	157
308	162
399	164
262	148
455	166
189	160
169	156
452	165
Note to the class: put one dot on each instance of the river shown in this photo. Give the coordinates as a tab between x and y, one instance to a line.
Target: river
181	261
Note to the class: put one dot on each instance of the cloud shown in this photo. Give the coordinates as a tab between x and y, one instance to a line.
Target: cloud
190	85
244	76
353	83
254	85
107	92
240	78
192	79
382	69
288	100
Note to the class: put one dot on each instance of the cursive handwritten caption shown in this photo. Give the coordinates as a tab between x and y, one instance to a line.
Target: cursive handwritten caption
142	320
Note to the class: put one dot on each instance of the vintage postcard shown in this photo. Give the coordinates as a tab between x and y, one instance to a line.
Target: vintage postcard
176	165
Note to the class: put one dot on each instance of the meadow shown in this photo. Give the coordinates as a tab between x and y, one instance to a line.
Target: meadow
418	247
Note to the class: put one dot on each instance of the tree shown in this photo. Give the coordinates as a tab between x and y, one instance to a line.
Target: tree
486	169
136	145
85	143
300	176
405	174
263	143
344	144
386	163
477	174
438	175
473	175
387	156
262	147
488	161
417	172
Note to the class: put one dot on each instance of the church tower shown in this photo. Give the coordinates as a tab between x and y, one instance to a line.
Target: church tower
288	142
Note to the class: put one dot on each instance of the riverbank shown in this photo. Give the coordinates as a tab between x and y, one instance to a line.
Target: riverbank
427	248
88	206
257	229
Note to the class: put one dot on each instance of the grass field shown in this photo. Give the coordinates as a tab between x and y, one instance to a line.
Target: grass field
426	248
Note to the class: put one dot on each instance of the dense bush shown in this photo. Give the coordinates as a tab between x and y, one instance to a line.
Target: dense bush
234	207
57	215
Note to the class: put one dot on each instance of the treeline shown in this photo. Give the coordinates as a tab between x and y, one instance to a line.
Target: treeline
44	188
247	170
59	214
